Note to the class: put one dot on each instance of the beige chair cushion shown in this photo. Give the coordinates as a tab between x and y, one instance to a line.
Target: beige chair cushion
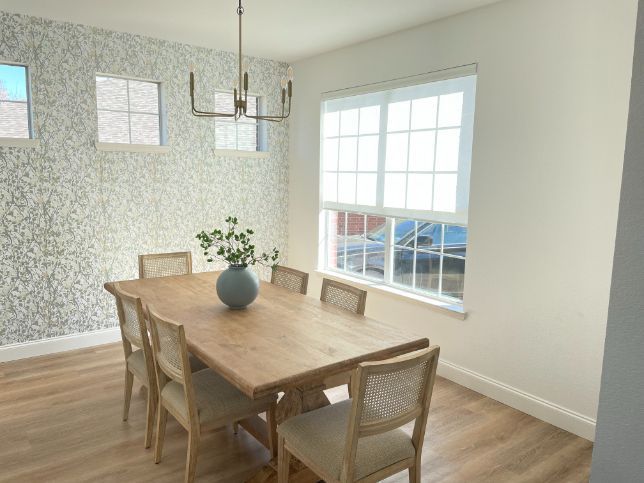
321	437
216	399
136	362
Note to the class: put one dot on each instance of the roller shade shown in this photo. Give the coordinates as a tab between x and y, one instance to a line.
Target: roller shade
401	152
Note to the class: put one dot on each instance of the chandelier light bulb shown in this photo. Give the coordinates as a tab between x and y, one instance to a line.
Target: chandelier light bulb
192	68
235	84
245	64
283	82
289	73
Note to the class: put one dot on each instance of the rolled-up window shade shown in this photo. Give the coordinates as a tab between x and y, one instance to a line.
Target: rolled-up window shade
402	152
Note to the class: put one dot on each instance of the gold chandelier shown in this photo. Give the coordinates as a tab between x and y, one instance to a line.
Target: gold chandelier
241	100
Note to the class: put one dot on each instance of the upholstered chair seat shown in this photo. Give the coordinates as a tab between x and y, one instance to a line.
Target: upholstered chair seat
136	363
321	437
215	398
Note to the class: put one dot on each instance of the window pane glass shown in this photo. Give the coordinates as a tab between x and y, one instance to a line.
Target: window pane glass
368	153
455	240
14	119
430	236
346	188
348	154
427	272
349	122
336	223
375	247
395	190
421	151
445	192
113	127
447	146
370	120
355	243
396	157
330	154
331	124
403	266
453	277
450	110
145	129
144	97
330	187
419	191
367	184
423	113
404	233
398	116
13	83
225	135
111	93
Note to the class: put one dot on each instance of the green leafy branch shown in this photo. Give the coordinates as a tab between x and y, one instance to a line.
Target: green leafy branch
234	247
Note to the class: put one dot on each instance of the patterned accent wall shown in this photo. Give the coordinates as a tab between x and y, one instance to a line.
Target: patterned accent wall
72	217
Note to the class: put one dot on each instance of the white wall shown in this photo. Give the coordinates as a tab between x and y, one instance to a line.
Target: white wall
549	135
619	446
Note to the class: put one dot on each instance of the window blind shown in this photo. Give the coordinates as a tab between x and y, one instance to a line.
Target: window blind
403	152
128	111
239	135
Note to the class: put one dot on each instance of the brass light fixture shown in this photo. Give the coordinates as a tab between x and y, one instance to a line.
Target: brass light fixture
241	100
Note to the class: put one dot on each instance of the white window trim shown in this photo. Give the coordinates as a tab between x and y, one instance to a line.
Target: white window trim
239	153
134	148
453	310
19	142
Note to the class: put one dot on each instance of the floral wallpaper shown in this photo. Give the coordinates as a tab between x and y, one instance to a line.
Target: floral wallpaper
72	217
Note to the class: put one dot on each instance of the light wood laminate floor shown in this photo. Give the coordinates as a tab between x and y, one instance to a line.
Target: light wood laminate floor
60	421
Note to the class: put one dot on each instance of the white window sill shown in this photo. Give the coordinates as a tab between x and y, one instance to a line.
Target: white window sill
235	153
452	310
133	148
19	143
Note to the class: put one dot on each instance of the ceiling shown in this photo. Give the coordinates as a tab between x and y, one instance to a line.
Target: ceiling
286	30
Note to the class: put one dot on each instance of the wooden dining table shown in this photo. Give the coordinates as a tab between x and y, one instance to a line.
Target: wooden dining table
283	342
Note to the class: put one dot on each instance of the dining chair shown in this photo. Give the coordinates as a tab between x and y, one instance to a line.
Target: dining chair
360	440
290	278
349	298
200	401
138	355
344	296
165	264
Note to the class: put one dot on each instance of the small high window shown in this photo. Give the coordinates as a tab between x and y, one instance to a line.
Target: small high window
245	134
15	102
129	111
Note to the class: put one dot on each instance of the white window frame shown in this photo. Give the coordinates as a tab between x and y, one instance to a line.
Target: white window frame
451	305
31	141
261	148
162	147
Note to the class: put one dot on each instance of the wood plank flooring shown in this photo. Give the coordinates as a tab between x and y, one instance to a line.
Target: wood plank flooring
60	421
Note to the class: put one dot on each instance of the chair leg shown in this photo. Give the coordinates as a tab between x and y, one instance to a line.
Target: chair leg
271	422
283	461
236	427
414	473
162	419
129	381
149	424
193	451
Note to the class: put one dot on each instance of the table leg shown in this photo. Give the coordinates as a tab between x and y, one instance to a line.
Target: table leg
295	401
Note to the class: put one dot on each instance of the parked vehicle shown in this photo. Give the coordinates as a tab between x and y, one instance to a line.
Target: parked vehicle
367	255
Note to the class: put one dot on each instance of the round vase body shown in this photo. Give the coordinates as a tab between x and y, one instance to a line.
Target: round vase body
237	287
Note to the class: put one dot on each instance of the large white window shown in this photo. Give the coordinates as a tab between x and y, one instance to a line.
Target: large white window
245	134
129	111
395	183
15	109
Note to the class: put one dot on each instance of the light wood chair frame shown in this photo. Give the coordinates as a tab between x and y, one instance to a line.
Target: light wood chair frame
303	276
151	256
356	430
192	424
360	294
144	344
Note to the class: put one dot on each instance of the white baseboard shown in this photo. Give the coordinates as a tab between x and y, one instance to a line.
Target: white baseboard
539	408
64	343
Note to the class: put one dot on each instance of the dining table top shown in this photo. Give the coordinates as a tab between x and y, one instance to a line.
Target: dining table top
282	340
